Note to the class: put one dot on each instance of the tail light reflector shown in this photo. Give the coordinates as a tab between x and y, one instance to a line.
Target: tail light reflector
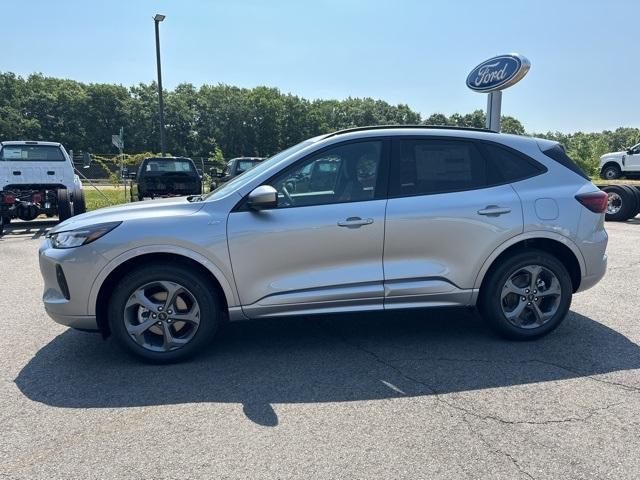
9	199
594	201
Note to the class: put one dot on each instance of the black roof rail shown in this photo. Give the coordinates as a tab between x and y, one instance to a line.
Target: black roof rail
427	127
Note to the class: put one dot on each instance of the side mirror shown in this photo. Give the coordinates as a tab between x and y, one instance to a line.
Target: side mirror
86	160
264	196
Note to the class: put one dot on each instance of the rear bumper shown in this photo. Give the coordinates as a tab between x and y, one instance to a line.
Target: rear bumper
596	271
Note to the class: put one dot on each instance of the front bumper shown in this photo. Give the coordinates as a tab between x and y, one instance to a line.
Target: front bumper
79	322
68	276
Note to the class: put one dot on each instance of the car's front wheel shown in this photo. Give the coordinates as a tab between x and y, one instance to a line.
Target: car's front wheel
611	172
163	313
527	296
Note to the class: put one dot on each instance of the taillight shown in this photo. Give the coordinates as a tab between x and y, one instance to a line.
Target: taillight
9	199
594	201
36	198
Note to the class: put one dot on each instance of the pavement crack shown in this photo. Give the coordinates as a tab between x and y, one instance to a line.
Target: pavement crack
496	450
463	410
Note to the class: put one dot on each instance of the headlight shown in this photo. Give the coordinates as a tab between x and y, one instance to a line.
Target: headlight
81	236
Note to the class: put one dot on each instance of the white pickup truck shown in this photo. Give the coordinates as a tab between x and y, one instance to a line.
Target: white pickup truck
616	164
37	178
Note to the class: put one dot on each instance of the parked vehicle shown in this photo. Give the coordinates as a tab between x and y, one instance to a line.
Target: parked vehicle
507	223
235	167
166	176
37	178
623	202
617	164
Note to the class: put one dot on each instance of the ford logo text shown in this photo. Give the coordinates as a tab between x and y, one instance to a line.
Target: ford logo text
498	73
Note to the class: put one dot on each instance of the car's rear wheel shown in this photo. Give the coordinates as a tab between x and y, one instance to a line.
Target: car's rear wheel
163	313
64	205
527	296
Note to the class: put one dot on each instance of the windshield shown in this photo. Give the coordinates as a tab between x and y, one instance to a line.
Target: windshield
31	153
168	166
257	170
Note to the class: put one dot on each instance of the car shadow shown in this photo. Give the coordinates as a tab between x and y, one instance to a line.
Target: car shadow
35	229
324	359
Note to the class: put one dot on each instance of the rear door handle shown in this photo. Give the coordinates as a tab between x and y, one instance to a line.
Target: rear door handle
17	172
494	211
50	172
355	222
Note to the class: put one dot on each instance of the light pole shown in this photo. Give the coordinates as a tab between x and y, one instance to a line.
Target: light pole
157	19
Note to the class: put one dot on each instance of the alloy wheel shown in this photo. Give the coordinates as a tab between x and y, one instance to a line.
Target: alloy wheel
531	296
162	316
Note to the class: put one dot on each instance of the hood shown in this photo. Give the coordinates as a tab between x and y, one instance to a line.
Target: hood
165	207
613	155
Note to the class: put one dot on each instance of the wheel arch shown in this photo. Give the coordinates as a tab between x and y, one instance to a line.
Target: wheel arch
608	163
557	245
110	275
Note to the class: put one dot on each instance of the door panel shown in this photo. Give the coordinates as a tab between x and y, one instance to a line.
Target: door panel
291	260
436	244
632	162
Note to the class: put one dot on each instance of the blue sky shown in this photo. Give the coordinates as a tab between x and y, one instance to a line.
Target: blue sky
585	71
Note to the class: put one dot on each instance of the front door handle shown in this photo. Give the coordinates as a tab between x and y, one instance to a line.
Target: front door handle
355	222
493	211
17	172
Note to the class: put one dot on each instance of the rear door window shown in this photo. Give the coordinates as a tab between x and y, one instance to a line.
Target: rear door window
429	166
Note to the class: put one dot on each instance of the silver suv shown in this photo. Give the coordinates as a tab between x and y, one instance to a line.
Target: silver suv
372	218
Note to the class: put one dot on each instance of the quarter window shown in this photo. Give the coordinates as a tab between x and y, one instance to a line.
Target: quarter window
346	173
506	166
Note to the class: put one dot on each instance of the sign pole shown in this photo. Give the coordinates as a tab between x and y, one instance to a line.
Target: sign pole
494	107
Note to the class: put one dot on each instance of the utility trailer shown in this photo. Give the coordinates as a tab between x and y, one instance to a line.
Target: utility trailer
624	202
37	178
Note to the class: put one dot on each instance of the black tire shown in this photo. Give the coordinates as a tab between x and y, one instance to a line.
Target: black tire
198	285
611	172
140	198
634	194
64	205
624	203
490	300
2	225
6	220
79	204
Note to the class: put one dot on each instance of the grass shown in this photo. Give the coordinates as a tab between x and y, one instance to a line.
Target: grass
623	181
94	199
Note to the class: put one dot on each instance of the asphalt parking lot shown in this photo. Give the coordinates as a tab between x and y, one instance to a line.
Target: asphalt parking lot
420	395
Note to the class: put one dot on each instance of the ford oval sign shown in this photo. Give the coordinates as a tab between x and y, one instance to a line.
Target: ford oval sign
498	73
